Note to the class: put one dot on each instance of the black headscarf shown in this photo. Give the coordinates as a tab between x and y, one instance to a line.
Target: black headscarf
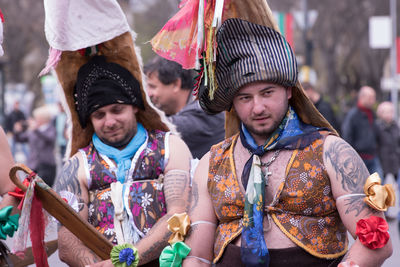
100	83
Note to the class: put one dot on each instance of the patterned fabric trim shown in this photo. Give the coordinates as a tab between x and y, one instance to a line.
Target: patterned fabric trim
86	167
307	228
234	235
231	158
237	227
297	242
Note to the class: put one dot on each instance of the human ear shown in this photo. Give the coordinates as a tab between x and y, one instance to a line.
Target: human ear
289	92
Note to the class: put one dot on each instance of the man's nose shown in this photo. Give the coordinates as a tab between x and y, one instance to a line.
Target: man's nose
150	92
258	105
109	120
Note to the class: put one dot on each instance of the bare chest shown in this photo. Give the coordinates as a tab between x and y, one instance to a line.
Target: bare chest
275	171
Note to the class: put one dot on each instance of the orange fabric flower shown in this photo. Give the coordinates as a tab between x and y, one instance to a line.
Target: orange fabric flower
373	232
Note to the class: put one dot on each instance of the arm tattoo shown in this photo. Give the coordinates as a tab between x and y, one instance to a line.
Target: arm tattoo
68	178
73	249
194	197
354	203
175	184
68	181
349	167
154	251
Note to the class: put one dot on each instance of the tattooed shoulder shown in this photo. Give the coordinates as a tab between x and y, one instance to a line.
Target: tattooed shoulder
350	170
68	177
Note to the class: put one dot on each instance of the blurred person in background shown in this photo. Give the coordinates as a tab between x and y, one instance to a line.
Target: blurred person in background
360	131
389	148
15	116
41	137
308	79
323	106
388	139
170	89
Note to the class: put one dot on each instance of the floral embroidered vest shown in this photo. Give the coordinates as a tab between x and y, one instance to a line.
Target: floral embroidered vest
305	211
144	197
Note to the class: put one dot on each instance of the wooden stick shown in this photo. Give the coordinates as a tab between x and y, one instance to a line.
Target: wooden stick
66	215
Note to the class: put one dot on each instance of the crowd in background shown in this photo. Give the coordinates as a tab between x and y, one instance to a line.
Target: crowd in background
38	139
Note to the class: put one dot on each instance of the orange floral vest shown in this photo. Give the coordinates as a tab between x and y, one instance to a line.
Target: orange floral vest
305	211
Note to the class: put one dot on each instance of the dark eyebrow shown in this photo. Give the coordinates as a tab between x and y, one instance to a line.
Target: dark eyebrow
268	88
241	94
262	90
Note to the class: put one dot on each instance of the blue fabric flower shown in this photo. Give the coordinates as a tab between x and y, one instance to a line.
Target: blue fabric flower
126	255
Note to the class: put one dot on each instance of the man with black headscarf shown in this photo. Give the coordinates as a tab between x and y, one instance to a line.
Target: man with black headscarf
129	179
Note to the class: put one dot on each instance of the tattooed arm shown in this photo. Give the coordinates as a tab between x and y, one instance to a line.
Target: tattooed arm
72	179
348	173
176	191
201	236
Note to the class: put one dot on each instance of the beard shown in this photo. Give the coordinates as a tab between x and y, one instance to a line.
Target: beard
265	132
123	142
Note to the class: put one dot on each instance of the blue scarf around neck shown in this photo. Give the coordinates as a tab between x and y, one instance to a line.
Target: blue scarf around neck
123	157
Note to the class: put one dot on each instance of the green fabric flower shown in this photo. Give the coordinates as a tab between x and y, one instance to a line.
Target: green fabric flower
8	224
125	255
173	255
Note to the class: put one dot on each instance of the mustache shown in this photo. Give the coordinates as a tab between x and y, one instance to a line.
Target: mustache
262	116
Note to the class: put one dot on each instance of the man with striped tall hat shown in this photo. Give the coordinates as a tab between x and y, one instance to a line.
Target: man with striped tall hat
285	189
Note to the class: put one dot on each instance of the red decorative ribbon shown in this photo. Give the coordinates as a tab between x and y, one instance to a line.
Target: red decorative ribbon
37	222
37	229
18	193
373	232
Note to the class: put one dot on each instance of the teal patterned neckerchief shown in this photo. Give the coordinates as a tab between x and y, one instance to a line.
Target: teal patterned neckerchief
291	134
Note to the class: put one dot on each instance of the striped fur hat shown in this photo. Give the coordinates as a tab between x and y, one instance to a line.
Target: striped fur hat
247	53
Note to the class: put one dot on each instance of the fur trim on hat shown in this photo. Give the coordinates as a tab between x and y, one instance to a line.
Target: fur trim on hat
120	50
